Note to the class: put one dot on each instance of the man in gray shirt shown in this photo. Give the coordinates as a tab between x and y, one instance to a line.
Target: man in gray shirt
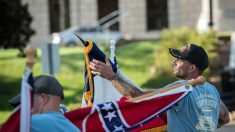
200	110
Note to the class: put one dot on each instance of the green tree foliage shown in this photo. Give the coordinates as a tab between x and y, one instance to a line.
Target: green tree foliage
14	25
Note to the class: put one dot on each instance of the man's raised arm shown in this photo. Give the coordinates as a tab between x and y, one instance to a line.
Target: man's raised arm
105	70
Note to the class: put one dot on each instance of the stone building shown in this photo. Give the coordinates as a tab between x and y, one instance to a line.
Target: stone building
140	19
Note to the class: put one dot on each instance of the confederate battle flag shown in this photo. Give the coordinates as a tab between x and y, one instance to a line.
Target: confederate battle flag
144	114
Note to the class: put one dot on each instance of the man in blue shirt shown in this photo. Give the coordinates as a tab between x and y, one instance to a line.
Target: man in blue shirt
200	110
47	116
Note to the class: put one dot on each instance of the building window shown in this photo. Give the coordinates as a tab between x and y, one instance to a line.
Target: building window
157	15
105	7
59	15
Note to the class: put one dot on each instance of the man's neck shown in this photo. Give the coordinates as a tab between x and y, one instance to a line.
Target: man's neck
52	107
189	77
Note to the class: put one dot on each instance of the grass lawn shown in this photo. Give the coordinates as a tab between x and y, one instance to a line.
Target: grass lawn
135	60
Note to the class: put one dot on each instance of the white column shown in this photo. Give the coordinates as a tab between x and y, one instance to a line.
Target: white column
232	51
39	11
203	20
75	13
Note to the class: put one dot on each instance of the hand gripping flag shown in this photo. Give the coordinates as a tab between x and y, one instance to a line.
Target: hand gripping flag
136	115
20	119
98	89
104	91
91	52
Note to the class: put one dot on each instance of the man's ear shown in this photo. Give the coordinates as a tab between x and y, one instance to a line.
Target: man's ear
193	68
45	98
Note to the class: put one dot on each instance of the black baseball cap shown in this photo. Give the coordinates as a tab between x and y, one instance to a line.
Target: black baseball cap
48	85
42	84
194	54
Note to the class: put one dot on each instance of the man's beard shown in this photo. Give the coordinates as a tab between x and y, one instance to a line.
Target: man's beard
181	74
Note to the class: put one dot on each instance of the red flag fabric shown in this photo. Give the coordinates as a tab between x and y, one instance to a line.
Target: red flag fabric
124	115
144	114
20	119
13	122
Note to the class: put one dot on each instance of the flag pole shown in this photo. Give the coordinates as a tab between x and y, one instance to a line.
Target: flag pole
84	42
30	56
112	50
193	82
26	100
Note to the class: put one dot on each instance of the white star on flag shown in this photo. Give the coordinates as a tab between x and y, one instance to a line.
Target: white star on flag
110	115
116	128
107	106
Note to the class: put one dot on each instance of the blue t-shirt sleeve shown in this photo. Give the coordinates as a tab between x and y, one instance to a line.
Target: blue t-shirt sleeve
184	100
